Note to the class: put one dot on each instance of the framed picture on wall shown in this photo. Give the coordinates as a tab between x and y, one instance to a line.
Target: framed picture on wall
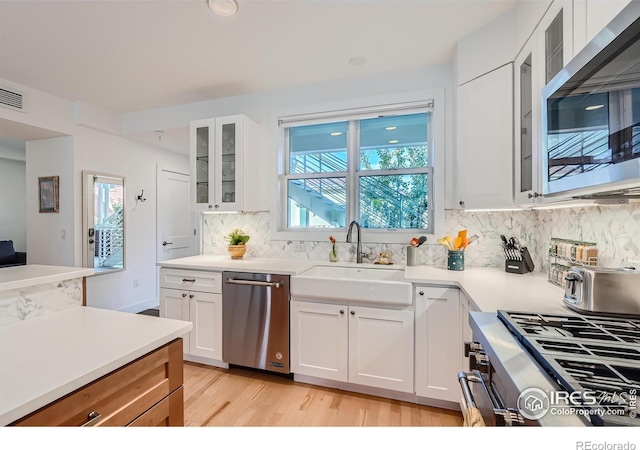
49	195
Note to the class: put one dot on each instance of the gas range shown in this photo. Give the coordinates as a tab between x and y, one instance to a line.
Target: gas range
555	369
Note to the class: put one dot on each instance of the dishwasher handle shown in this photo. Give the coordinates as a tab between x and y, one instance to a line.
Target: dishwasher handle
253	283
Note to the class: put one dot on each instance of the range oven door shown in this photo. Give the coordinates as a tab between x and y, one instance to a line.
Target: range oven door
478	392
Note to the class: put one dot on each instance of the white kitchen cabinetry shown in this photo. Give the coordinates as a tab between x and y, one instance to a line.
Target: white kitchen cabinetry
548	50
224	164
439	330
195	296
485	141
591	17
356	344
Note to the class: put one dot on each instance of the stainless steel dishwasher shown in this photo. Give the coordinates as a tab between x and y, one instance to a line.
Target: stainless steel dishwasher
255	320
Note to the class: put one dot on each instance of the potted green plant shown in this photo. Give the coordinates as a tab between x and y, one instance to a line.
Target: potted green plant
237	239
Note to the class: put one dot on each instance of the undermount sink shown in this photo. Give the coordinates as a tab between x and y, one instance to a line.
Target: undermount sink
373	285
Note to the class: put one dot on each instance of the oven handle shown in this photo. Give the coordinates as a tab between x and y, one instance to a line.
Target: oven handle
503	417
253	283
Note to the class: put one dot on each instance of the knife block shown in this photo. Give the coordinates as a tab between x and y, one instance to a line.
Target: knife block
522	265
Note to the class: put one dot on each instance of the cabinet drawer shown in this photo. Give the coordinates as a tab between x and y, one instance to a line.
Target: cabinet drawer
119	397
192	280
169	412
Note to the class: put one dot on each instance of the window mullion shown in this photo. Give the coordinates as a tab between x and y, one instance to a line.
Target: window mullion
353	150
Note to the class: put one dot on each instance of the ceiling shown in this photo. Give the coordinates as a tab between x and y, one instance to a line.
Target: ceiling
129	56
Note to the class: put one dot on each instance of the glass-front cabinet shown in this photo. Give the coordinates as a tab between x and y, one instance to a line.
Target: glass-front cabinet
223	172
547	51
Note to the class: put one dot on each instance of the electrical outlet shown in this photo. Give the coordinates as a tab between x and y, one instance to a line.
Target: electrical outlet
299	248
136	283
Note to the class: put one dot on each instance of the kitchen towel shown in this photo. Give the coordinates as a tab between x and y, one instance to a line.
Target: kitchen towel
473	418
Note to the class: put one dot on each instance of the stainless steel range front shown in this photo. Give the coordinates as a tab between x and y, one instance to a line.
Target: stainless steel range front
549	369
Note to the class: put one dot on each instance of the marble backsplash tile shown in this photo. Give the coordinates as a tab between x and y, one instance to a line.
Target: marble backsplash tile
616	230
22	304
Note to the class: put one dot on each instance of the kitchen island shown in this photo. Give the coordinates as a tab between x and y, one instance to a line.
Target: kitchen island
49	357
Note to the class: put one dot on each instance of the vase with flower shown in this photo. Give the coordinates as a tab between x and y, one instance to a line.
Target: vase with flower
333	254
237	239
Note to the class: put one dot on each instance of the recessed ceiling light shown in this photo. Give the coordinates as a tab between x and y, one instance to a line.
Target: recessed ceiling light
224	7
358	61
390	128
592	107
336	133
393	141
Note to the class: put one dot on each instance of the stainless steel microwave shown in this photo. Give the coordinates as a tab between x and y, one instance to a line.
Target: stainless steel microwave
591	114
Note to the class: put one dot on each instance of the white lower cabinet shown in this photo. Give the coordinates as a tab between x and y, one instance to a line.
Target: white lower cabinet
202	307
355	344
439	342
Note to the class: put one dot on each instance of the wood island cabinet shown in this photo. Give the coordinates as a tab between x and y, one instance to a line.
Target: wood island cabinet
145	392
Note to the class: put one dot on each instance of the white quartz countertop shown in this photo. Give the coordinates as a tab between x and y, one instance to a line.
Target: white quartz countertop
246	264
18	277
490	289
45	358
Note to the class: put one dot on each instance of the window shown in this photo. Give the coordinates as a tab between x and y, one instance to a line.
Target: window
375	168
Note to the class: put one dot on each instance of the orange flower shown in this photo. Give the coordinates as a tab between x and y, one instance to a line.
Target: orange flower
332	239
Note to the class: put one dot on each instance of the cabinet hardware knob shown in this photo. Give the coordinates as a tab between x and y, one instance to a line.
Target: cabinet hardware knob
91	241
462	203
353	313
342	311
530	195
184	294
190	295
421	292
165	243
217	206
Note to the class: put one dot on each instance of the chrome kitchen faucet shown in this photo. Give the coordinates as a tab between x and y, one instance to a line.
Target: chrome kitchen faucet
359	253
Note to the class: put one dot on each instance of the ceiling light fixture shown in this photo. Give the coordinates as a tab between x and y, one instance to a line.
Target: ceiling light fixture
593	107
224	7
390	128
393	141
336	133
358	61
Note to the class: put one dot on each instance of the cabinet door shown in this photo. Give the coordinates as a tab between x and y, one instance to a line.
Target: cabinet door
206	314
202	139
381	348
228	164
439	346
485	140
174	304
527	123
319	342
555	40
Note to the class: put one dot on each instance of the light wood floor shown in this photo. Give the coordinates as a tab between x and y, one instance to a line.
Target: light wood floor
241	397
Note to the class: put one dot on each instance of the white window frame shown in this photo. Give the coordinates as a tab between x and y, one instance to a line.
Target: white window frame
405	103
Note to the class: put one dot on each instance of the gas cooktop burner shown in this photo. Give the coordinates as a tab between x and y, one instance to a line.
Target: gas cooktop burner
587	354
589	328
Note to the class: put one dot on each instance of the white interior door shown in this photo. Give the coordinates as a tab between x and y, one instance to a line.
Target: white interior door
174	217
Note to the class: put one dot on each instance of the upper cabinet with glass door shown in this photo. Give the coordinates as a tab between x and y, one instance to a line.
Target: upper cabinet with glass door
548	50
224	162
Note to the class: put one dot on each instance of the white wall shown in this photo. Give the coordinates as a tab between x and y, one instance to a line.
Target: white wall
13	198
88	148
50	157
101	152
